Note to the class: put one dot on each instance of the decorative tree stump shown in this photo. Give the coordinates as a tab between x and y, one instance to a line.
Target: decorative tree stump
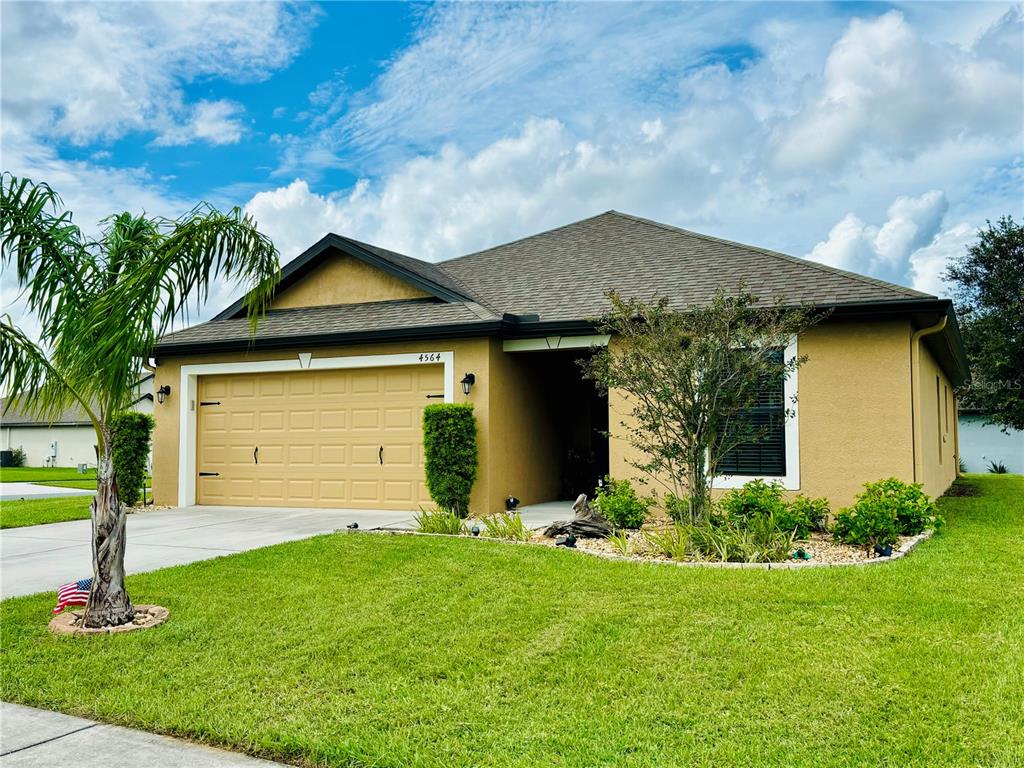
587	523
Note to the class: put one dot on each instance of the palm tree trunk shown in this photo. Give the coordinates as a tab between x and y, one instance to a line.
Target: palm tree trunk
109	604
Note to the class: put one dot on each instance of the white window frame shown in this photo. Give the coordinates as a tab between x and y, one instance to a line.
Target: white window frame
791	480
188	413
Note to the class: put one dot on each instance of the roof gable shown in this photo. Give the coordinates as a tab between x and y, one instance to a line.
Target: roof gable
425	278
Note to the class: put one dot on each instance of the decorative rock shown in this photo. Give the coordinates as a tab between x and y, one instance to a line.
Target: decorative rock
586	524
146	616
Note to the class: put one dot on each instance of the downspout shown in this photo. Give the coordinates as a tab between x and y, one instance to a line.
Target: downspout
915	393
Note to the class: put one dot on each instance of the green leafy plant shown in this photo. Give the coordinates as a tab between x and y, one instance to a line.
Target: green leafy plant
132	432
506	526
677	507
17	457
620	505
755	499
760	541
449	446
884	510
439	521
997	468
673	542
962	465
758	500
621	541
803	515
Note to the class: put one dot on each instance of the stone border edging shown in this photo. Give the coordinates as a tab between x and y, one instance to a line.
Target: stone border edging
904	549
64	624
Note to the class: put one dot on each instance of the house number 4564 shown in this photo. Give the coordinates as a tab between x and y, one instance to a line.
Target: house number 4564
430	357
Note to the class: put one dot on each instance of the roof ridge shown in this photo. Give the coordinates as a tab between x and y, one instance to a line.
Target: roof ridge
902	290
521	239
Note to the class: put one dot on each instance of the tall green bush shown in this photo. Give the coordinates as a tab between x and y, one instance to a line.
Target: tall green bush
449	445
620	505
131	434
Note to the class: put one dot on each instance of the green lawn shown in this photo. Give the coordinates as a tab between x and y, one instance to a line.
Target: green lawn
46	475
360	650
16	514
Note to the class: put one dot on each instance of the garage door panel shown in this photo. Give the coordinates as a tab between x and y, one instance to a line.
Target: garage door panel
319	434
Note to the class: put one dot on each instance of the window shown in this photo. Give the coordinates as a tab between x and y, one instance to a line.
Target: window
767	456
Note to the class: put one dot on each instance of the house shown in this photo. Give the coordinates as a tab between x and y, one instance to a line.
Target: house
66	441
322	408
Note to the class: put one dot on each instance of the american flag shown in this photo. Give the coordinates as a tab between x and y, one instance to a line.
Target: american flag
74	593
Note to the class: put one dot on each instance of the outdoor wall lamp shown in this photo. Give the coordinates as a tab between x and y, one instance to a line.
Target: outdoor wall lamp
163	392
467	383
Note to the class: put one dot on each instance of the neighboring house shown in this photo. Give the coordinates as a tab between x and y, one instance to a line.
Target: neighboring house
323	407
982	443
67	441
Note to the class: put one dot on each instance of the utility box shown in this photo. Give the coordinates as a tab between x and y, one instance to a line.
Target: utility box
83	468
6	458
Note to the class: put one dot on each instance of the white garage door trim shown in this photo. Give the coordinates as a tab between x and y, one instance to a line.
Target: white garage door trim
191	373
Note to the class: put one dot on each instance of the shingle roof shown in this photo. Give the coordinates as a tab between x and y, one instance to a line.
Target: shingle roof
73	415
340	319
559	275
564	273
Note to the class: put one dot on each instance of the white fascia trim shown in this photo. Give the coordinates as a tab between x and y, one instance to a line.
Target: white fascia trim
189	388
554	342
791	480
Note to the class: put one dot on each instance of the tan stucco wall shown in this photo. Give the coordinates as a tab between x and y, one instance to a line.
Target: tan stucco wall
345	280
938	443
514	449
854	413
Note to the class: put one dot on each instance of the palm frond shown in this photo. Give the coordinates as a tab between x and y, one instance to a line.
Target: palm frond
32	382
51	256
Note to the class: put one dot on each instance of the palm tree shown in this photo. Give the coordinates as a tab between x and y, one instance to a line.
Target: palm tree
101	305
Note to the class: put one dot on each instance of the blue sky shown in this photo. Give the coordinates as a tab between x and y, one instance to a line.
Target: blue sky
874	137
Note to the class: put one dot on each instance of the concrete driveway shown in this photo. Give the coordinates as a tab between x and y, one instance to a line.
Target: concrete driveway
40	558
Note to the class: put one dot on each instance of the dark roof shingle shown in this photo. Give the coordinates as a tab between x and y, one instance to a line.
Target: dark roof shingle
564	273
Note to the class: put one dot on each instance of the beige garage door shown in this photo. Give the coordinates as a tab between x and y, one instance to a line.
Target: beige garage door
343	438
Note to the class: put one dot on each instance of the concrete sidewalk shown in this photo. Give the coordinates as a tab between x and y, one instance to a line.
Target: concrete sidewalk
38	738
17	491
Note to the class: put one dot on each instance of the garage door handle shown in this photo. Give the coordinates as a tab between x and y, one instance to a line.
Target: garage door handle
380	455
256	455
209	474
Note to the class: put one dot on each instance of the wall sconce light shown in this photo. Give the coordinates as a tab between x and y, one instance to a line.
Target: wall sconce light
163	392
467	383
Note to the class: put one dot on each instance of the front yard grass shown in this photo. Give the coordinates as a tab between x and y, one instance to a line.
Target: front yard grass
358	650
46	475
17	514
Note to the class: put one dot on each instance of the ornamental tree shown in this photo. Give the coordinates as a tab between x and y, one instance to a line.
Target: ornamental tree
689	377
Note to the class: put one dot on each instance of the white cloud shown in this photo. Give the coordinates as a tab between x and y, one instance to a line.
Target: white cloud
887	88
91	71
908	248
215	122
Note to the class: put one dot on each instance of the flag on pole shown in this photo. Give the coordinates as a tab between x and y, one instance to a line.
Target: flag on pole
74	593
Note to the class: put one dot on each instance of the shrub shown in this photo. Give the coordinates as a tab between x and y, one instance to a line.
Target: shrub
449	446
619	505
505	526
131	433
17	457
997	467
761	540
673	542
755	499
758	500
677	507
884	510
803	515
439	521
